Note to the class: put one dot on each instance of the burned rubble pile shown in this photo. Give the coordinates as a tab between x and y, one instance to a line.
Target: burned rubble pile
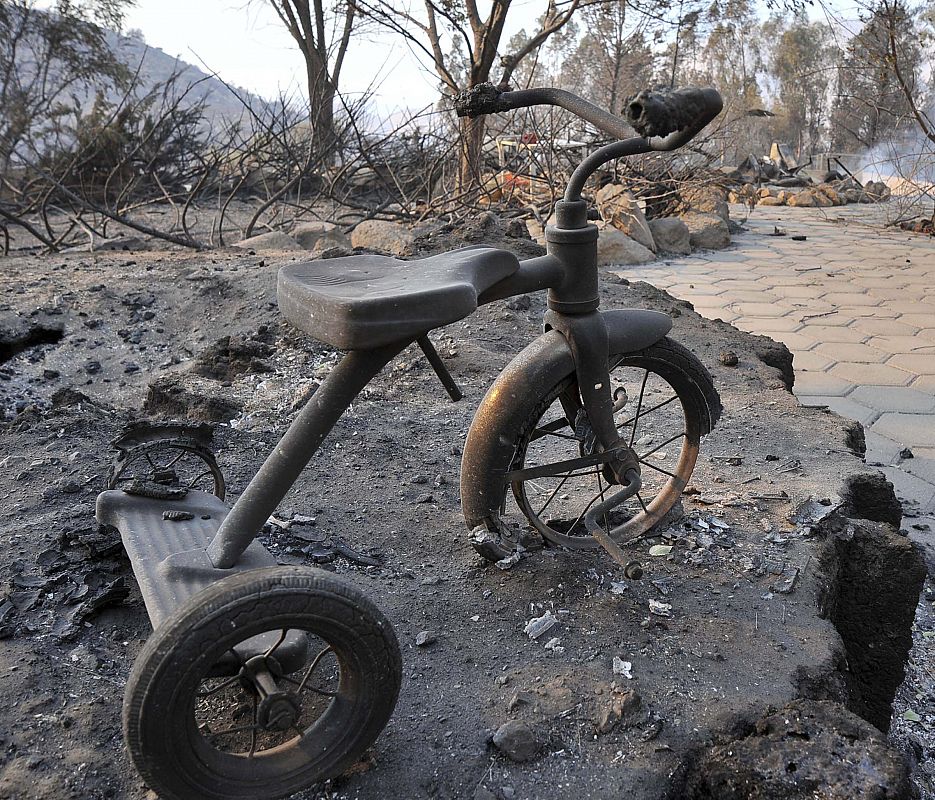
757	657
780	180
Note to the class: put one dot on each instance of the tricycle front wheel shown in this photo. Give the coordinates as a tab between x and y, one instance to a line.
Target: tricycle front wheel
209	714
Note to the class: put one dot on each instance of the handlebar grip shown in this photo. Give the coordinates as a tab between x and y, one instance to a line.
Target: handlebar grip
479	100
662	113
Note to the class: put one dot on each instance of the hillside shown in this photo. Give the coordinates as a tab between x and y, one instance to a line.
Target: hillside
157	66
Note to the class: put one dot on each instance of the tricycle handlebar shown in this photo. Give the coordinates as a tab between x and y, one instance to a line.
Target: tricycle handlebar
675	116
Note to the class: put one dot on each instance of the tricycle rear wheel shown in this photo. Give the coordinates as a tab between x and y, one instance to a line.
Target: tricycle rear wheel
202	720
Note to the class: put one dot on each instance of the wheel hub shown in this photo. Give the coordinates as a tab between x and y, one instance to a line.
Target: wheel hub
277	710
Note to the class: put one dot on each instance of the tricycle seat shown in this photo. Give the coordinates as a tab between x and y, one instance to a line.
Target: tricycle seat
364	302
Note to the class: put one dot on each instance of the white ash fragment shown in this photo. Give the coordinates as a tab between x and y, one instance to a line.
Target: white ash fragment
622	667
660	609
539	625
618	587
510	561
555	645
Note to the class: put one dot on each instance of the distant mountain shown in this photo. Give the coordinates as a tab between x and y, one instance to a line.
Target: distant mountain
157	66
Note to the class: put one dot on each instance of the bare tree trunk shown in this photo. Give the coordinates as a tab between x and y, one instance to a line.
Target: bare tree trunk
472	153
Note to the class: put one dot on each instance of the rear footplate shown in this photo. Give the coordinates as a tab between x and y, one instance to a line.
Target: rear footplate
166	541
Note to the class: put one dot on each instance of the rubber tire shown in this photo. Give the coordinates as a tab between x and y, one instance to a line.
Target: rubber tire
668	359
158	711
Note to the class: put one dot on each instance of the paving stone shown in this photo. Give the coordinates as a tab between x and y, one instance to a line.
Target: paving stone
834	319
923	468
842	406
919	363
894	398
831	333
821	383
796	342
766	310
810	361
861	353
907	429
924	383
756	324
908	487
875	374
918	320
905	306
901	344
881	449
874	312
796	291
885	327
841	299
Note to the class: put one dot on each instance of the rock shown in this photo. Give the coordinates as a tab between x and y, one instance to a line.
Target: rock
536	231
517	741
622	705
671	235
320	236
619	208
808	749
274	240
729	358
615	247
827	191
708	200
707	231
425	638
875	192
769	200
382	236
803	199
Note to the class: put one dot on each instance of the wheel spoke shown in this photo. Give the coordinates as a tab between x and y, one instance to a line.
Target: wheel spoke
659	447
176	460
649	411
314	664
639	406
658	469
551	496
220	687
150	460
254	729
282	638
314	689
232	731
581	515
639	497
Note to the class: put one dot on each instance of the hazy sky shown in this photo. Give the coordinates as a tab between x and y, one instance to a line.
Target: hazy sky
246	44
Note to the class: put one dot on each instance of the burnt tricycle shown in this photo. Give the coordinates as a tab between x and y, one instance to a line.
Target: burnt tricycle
260	680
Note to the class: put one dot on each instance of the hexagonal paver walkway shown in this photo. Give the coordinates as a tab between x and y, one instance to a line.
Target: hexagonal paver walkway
855	303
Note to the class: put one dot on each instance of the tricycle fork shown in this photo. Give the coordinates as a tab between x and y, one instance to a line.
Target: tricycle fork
296	448
588	341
